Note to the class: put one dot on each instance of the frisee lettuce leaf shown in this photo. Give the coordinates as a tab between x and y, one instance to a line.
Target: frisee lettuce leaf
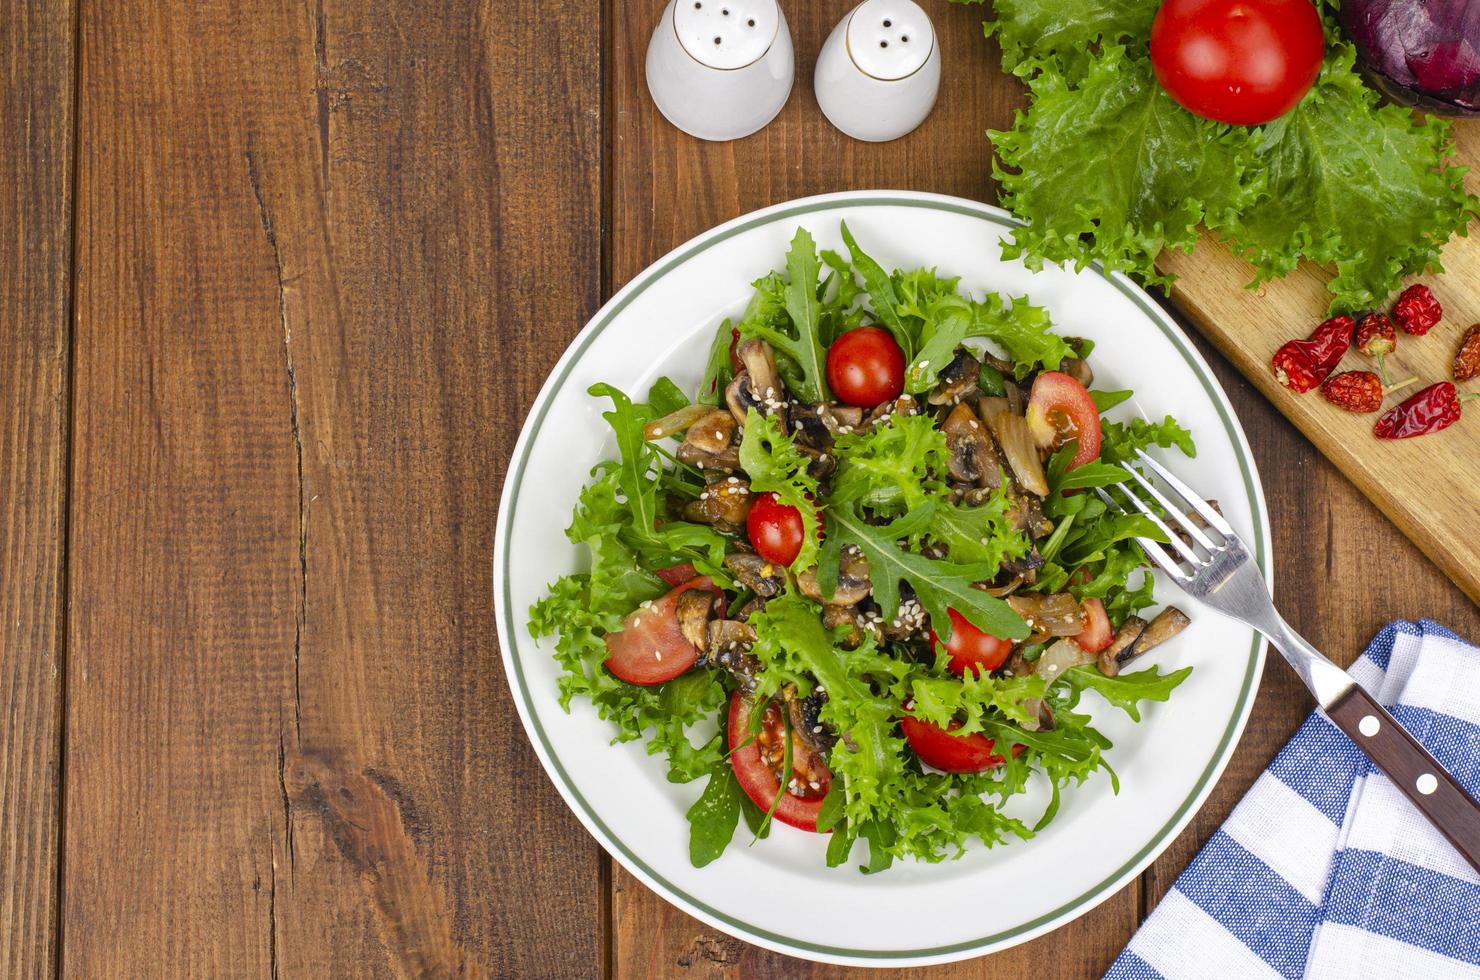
771	460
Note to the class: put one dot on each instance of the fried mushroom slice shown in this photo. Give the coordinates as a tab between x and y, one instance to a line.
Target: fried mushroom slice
1167	624
760	366
712	431
1125	637
756	574
724	505
971	448
727	645
726	461
853	583
957	379
692	610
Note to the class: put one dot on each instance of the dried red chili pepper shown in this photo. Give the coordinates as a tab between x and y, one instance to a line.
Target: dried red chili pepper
1434	408
1300	365
1467	358
1358	391
1417	310
1376	337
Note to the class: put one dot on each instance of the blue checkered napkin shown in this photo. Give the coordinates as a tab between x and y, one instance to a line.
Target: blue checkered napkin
1324	869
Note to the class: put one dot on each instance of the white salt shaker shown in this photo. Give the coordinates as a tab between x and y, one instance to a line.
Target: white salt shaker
720	69
879	72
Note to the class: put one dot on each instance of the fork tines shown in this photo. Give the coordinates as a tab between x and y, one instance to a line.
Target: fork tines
1188	534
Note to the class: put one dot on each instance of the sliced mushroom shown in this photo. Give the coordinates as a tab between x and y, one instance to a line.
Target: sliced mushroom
1167	624
840	419
910	619
692	610
810	429
1077	367
904	405
853	580
756	574
728	646
674	422
836	617
1042	720
740	399
957	379
727	460
1026	514
971	448
712	431
1128	633
765	383
724	504
806	720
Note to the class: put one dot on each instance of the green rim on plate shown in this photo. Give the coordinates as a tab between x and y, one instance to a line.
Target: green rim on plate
510	628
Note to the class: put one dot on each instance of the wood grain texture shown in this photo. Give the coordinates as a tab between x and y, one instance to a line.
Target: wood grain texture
328	250
1425	485
36	144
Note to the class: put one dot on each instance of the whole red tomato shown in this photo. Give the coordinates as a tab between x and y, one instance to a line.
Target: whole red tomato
1243	62
775	529
865	367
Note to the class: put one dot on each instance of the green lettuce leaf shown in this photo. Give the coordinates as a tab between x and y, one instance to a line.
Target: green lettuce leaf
1112	170
1065	31
1354	183
772	462
1126	691
787	314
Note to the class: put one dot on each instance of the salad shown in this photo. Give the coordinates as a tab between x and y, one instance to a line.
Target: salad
860	581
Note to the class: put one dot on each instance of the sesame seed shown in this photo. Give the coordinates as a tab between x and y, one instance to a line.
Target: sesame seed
816	729
924	365
657	655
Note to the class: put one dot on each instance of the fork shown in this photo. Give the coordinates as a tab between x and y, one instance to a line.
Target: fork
1220	574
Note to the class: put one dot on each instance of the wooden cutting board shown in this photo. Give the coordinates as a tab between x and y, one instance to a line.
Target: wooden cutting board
1430	485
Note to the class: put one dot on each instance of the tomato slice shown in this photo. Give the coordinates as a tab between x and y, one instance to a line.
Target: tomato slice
1097	632
650	648
1060	409
938	748
970	647
759	763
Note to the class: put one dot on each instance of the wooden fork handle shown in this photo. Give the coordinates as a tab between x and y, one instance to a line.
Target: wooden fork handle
1409	765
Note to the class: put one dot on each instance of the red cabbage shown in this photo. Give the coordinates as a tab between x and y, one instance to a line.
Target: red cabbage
1424	53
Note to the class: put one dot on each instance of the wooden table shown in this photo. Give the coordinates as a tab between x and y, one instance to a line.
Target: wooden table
278	283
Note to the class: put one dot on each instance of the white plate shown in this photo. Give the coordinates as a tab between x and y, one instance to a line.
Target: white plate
778	893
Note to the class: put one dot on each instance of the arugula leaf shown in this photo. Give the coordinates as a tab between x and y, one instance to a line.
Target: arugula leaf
636	464
881	294
771	460
1126	691
1065	31
665	397
802	311
717	369
1106	400
938	584
1113	170
1354	183
713	816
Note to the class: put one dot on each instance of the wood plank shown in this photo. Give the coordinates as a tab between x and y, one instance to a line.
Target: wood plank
36	155
667	187
1425	485
329	251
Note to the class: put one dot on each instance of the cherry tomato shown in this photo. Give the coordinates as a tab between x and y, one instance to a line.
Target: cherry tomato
1243	62
938	748
865	367
1097	632
970	647
1060	409
759	764
650	648
775	529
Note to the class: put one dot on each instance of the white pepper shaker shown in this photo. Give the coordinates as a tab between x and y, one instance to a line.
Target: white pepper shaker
879	72
720	69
